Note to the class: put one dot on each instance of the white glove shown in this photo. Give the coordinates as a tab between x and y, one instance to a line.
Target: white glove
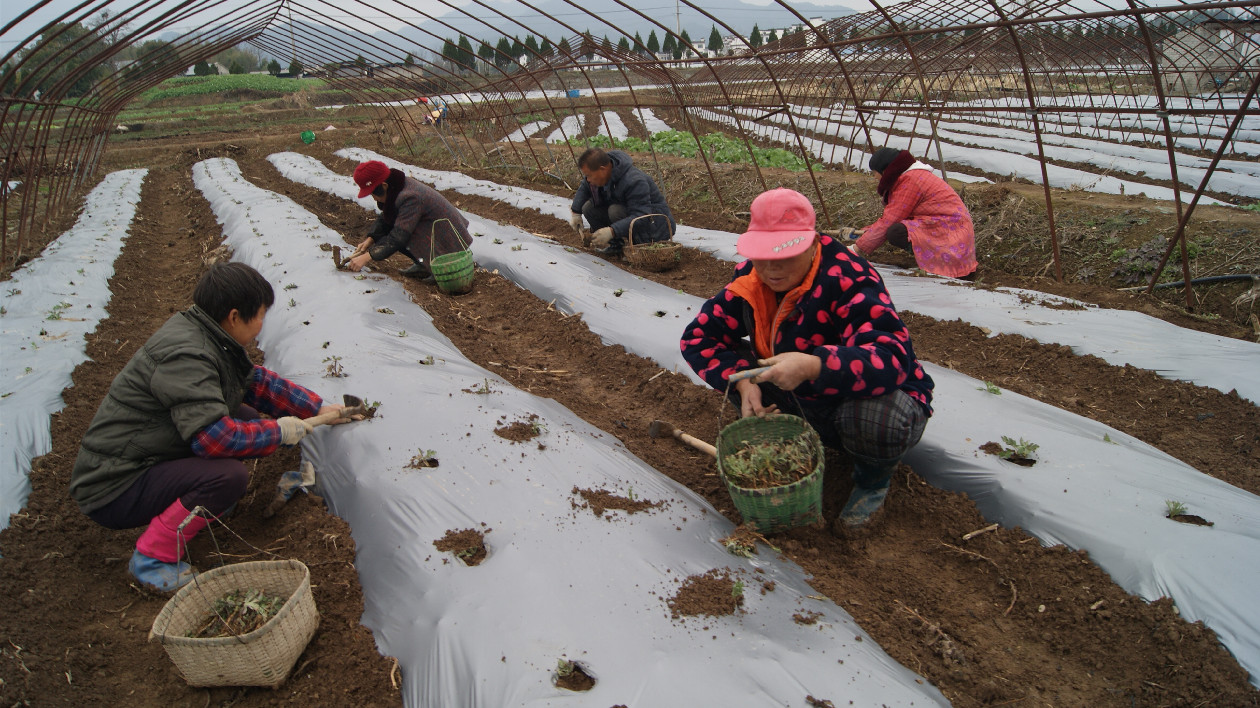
602	237
293	429
575	220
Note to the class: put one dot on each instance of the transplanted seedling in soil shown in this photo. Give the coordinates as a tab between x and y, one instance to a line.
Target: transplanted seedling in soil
423	459
482	389
571	676
1177	512
333	369
468	545
601	500
990	388
1020	452
743	541
238	612
713	593
521	430
770	464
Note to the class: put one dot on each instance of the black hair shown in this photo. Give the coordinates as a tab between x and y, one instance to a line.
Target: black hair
233	286
593	159
882	158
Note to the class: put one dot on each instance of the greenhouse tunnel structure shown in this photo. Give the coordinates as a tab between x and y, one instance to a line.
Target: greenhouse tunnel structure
1166	76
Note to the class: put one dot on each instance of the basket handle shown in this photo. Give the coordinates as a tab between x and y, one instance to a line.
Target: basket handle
630	236
433	236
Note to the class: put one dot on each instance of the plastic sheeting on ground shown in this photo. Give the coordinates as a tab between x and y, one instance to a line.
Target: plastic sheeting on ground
1104	497
1116	336
558	581
50	304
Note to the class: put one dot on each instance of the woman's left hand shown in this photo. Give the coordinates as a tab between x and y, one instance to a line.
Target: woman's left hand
790	369
356	264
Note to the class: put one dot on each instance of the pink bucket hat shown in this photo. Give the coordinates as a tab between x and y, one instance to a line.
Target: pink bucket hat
782	226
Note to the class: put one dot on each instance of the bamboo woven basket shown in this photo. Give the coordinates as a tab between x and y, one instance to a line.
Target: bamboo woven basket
774	509
265	656
656	256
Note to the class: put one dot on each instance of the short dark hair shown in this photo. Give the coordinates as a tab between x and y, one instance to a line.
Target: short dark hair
593	159
233	286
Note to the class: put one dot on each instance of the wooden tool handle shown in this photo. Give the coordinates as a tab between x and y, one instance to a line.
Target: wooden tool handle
323	418
697	443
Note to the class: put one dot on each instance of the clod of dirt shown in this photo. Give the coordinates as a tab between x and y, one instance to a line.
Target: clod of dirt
572	676
468	545
713	593
423	460
806	617
521	430
601	500
819	702
1192	519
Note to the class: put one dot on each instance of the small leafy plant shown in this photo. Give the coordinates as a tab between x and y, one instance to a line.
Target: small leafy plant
239	612
1023	449
618	292
564	668
57	310
333	370
384	310
1175	508
423	459
990	387
519	247
427	361
770	464
291	286
481	389
497	240
737	590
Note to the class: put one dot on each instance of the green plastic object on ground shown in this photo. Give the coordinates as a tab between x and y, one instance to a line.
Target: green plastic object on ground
453	272
774	509
308	136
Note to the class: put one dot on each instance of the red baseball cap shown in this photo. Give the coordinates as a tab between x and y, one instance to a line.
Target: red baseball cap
782	226
370	175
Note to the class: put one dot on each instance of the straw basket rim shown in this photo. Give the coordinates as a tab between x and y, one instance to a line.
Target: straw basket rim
256	567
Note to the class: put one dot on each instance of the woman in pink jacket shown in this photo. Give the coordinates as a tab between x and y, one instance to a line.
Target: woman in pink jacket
922	214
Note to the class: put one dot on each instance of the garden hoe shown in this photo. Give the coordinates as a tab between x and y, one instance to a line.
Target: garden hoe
354	407
660	428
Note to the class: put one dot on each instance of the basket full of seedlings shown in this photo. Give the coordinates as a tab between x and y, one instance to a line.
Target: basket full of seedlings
773	469
243	624
655	256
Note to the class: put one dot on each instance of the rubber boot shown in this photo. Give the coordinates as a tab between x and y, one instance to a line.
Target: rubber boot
418	270
156	561
871	479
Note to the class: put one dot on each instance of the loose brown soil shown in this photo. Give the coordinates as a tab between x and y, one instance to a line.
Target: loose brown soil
520	430
711	594
468	545
601	500
996	619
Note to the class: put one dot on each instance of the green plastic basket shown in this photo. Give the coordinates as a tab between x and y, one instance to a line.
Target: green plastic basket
308	136
453	272
774	509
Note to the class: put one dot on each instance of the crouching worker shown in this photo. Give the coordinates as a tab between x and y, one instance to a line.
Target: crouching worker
820	317
415	220
178	419
615	194
922	215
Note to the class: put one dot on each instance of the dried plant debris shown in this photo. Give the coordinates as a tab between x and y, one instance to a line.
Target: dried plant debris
238	612
770	464
714	593
572	676
520	430
743	541
601	500
468	545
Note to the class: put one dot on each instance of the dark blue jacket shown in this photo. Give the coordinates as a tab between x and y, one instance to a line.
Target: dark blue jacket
628	186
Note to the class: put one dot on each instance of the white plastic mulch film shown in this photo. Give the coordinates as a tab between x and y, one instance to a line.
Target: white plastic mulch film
1093	488
48	307
558	582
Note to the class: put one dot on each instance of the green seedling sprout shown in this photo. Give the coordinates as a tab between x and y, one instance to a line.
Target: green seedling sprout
497	240
291	286
292	302
1175	508
1021	448
519	247
564	668
384	310
737	590
427	361
990	387
618	292
334	369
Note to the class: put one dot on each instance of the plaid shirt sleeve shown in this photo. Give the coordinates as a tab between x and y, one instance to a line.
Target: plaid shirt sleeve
230	437
276	396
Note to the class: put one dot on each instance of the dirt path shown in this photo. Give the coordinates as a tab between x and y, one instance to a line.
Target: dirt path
994	620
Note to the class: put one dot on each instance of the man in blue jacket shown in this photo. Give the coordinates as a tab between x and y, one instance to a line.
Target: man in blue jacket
615	194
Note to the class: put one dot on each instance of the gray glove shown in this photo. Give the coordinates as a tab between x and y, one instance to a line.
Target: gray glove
575	220
293	429
602	237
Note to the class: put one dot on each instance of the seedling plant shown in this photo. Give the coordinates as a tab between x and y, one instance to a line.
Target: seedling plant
238	612
1017	450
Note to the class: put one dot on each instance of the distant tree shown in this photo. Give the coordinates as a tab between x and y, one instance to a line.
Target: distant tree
686	42
531	45
754	39
546	49
653	44
623	44
588	45
466	56
409	60
518	49
670	45
274	67
772	38
715	41
236	68
639	46
295	67
450	52
203	68
565	50
502	53
360	62
486	52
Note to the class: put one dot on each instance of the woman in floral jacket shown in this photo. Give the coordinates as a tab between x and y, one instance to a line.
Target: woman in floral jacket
820	317
922	214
